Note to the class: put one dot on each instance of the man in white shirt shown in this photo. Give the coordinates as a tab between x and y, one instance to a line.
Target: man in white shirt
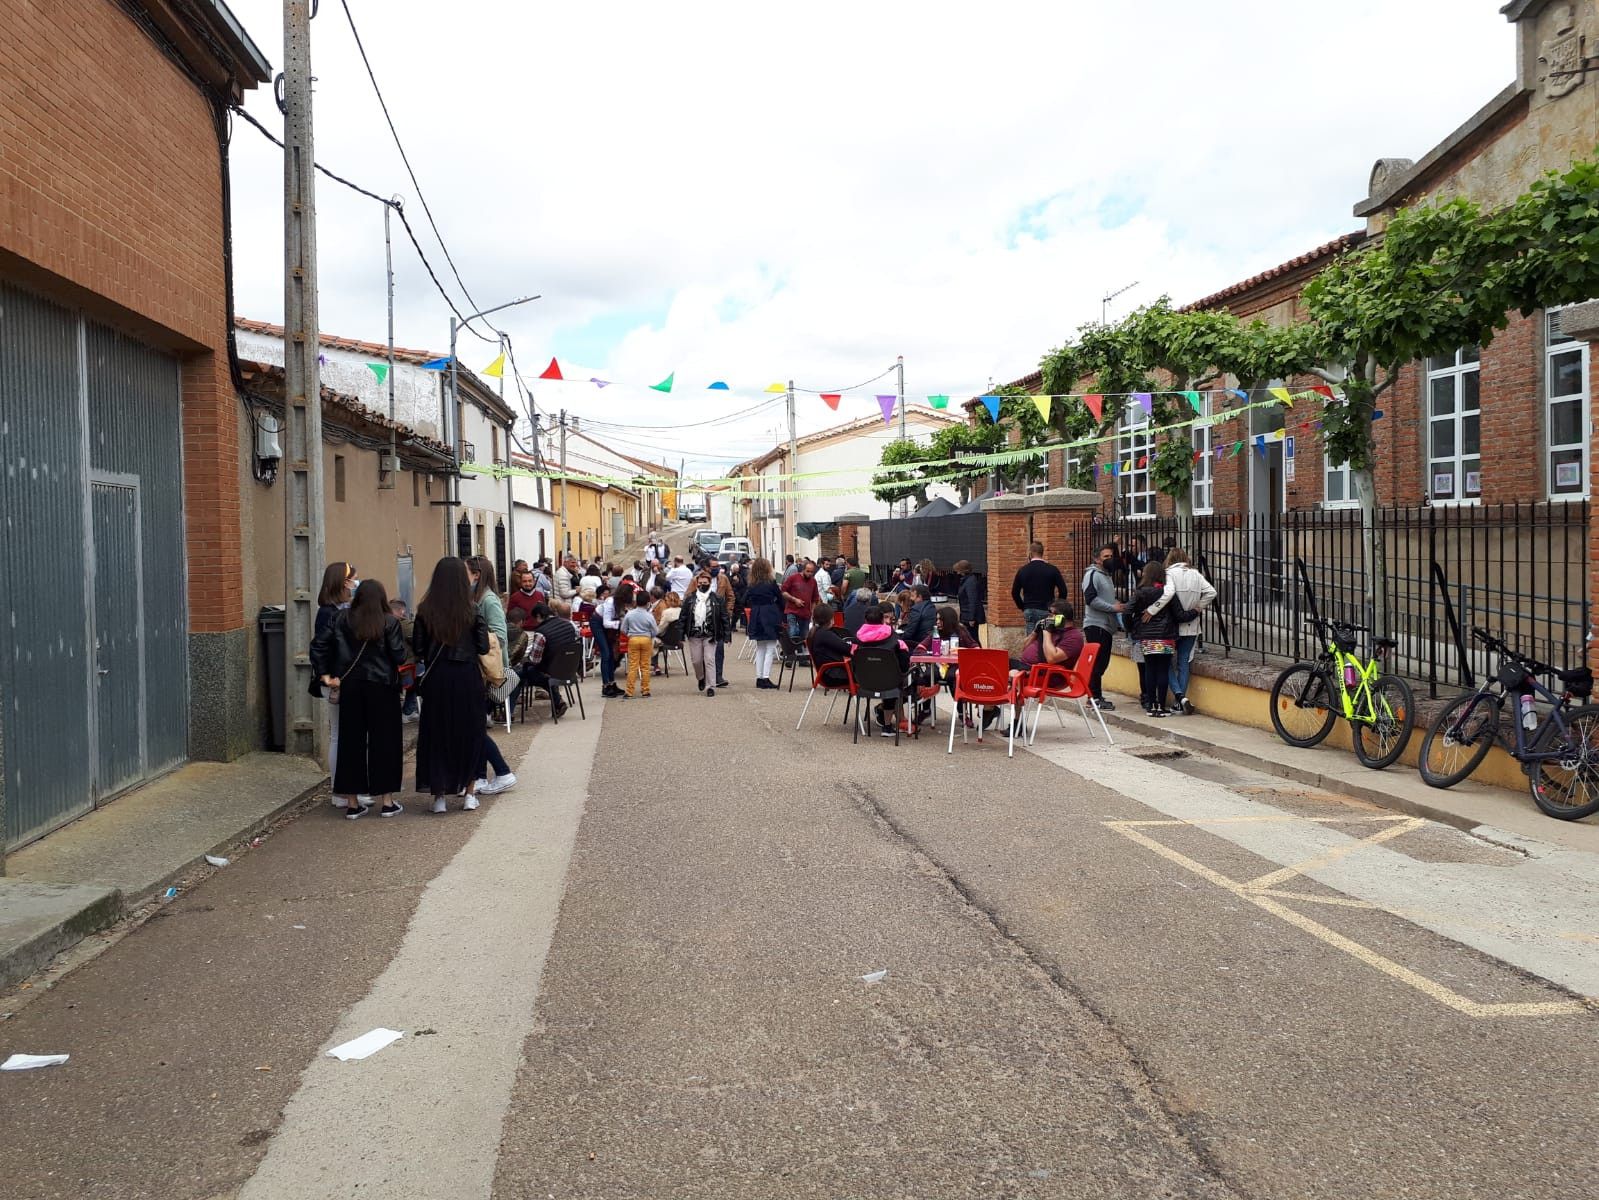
566	579
656	549
680	578
824	582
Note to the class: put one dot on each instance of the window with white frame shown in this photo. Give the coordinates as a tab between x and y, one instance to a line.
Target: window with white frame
1565	410
1041	482
1204	484
1454	427
1134	447
1340	491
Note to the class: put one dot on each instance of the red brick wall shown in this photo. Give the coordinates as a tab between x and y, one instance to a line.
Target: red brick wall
110	198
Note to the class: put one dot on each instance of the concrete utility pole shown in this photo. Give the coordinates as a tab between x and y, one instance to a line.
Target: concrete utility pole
389	473
303	536
905	504
566	534
790	501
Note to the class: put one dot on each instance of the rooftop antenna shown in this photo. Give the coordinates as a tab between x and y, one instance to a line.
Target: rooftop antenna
1104	304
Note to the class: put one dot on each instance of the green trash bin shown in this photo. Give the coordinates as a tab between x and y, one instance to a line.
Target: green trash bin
270	621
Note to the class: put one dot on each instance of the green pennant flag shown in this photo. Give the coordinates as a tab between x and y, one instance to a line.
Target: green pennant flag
665	385
1237	449
938	401
381	370
1199	405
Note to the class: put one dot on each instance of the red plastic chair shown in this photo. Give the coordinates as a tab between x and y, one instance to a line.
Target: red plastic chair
847	688
982	677
838	619
1052	682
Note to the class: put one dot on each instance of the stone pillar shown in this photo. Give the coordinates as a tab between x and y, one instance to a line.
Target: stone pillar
1063	519
1581	321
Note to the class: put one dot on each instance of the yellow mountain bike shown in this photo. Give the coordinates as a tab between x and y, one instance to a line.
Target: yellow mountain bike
1309	697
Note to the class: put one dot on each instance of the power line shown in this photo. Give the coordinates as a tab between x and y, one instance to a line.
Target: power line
694	424
842	390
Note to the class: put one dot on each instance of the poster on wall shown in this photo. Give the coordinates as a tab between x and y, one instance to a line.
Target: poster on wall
1473	483
1443	484
1568	475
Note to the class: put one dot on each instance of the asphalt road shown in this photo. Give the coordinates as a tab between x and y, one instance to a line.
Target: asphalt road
640	974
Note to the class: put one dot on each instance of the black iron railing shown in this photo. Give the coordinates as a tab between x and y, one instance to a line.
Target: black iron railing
1521	569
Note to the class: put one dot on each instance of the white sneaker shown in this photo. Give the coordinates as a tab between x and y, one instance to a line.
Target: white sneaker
500	783
470	803
438	804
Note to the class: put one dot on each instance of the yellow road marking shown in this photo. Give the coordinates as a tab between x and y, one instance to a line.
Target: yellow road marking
1335	854
1427	987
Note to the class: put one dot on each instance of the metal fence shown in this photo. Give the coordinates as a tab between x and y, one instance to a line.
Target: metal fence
1520	569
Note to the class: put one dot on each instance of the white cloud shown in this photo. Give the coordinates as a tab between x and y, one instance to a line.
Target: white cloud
753	193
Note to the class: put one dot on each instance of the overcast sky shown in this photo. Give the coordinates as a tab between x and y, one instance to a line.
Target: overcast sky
744	193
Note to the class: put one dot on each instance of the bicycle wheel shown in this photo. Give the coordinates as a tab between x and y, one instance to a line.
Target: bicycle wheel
1303	705
1459	739
1567	787
1382	734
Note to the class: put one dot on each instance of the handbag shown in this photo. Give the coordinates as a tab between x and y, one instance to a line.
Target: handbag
491	664
333	692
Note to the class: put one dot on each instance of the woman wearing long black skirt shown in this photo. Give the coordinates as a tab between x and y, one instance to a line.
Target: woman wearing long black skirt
357	658
448	637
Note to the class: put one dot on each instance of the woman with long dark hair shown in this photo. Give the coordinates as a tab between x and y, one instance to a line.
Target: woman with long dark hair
358	660
481	571
339	582
765	603
448	637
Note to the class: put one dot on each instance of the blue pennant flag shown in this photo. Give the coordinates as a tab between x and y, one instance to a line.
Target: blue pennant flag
437	364
991	403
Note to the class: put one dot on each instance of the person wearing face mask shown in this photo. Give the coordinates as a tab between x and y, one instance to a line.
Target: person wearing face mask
339	582
703	621
1100	612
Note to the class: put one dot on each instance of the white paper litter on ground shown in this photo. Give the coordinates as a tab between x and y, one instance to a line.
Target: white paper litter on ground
215	861
366	1045
27	1062
874	977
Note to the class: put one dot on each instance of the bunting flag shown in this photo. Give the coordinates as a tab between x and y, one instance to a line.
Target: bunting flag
1199	405
1114	470
1237	449
778	388
1096	405
1198	454
991	403
887	403
1321	389
1377	415
1244	396
381	370
1260	446
831	399
1143	461
1145	402
437	364
1283	395
1127	467
598	382
939	402
553	371
665	385
496	369
1042	404
718	386
1220	450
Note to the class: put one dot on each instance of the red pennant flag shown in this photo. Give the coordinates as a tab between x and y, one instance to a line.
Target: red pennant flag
831	399
1143	460
553	371
1198	454
1096	405
1323	390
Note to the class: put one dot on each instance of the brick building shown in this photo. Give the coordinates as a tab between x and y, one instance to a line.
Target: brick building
119	426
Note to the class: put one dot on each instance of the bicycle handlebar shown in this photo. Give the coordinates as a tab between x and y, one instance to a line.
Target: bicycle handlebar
1500	647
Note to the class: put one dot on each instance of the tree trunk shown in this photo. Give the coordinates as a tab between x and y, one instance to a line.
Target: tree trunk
1364	480
1185	519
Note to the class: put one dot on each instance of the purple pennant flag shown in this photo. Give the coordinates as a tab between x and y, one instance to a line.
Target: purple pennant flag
1219	450
887	403
599	383
1146	402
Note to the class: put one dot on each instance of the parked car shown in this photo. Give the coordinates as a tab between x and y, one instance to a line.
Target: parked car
736	545
705	544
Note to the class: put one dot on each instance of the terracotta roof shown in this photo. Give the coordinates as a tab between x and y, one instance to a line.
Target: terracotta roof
353	406
1332	249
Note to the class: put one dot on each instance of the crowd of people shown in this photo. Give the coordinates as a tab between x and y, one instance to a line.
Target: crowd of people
471	651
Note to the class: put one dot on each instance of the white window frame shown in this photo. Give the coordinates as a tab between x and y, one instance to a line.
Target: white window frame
1034	487
1329	473
1461	366
1134	487
1556	344
1202	492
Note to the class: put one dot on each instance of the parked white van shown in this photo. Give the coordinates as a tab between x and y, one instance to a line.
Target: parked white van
733	545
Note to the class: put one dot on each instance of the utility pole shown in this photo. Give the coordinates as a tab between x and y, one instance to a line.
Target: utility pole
566	534
389	471
303	536
904	504
790	501
510	495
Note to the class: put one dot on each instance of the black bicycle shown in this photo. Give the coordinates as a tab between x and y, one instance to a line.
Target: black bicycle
1558	750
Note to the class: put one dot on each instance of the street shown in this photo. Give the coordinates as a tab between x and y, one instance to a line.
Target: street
1102	979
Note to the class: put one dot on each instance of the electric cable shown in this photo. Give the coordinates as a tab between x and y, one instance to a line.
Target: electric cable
842	390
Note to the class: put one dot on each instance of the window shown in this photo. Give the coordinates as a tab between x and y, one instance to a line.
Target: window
494	437
1340	486
338	477
416	490
1566	410
1041	482
1204	487
1454	427
1134	447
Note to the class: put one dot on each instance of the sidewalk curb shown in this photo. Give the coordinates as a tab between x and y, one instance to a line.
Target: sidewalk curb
1339	784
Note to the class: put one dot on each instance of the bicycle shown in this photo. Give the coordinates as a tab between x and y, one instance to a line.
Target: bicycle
1559	752
1309	697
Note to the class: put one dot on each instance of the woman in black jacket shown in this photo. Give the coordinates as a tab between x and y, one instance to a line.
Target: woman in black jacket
1150	623
357	659
973	606
449	635
705	627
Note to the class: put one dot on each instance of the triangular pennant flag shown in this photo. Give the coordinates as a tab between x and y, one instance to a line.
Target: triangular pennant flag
496	369
1096	405
1042	404
1127	467
1198	454
1282	394
437	364
1237	448
598	382
991	403
938	401
1096	470
1377	415
1193	398
831	399
1260	445
887	403
553	371
1145	402
1244	396
1143	461
778	388
718	386
1220	450
1114	470
381	370
665	385
1322	389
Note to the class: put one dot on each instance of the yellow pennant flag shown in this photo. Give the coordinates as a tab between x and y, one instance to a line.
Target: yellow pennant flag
1283	395
496	369
1042	403
778	388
